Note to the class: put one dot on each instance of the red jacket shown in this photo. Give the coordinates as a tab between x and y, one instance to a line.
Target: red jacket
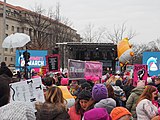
73	114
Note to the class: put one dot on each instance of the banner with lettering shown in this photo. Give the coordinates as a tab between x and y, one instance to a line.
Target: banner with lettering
76	69
140	73
53	62
93	68
37	58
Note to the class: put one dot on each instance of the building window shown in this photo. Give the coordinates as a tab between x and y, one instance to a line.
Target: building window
5	58
7	26
12	28
11	59
30	32
6	49
11	49
22	30
17	29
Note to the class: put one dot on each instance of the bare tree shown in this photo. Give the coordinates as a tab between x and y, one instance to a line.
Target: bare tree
91	34
61	30
39	27
119	33
154	45
138	50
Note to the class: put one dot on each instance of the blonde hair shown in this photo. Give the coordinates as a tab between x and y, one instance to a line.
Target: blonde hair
54	96
111	79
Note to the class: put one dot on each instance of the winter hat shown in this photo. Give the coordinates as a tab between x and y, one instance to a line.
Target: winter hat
119	112
108	103
17	111
64	81
95	78
99	92
88	78
97	114
118	83
84	95
86	86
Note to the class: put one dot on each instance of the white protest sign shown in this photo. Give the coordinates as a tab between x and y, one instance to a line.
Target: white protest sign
28	91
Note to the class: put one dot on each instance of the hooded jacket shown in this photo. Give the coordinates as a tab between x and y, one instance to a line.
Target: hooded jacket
146	110
132	100
47	111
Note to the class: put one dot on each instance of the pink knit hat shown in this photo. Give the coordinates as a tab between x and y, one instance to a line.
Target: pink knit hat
88	78
64	81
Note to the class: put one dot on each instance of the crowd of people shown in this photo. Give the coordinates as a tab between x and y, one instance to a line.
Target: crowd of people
114	98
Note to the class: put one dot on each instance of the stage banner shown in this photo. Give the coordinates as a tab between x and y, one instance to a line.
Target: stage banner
140	73
93	68
76	69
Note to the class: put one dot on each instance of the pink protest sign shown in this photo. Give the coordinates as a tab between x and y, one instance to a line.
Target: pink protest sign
140	73
93	69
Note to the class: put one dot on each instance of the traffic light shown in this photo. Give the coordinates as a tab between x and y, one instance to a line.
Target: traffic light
26	56
55	50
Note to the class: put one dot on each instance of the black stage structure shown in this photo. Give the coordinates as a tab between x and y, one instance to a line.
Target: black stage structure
103	52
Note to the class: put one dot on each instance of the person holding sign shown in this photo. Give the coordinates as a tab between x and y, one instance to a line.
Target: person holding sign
13	110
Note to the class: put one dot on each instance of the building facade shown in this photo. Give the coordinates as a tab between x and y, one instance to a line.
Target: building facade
18	20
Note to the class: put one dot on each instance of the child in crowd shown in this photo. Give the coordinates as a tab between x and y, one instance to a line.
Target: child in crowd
120	113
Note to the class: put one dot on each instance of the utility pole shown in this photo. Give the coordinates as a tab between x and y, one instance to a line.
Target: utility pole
4	28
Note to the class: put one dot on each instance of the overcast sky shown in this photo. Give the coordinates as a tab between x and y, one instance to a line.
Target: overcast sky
142	16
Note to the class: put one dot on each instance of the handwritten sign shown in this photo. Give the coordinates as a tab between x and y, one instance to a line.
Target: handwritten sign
28	91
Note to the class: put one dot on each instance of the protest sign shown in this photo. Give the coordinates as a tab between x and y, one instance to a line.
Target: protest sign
93	68
67	95
28	91
53	62
140	73
76	69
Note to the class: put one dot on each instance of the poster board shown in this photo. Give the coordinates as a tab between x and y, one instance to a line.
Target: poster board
140	73
129	69
152	60
67	95
76	69
93	68
30	90
53	62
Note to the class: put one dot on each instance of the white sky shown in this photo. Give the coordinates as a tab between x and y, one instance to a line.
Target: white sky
142	16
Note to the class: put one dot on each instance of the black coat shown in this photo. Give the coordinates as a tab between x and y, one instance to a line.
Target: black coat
46	111
6	70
